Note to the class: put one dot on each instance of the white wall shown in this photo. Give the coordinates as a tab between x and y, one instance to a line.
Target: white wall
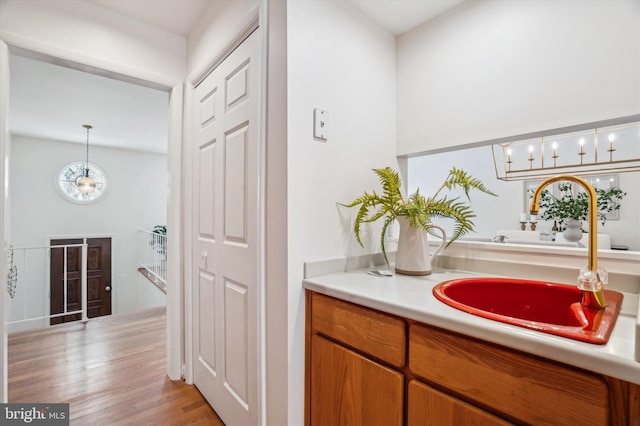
491	68
217	27
503	212
343	63
136	198
87	33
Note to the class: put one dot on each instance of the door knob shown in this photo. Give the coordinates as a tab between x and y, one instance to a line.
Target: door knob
108	288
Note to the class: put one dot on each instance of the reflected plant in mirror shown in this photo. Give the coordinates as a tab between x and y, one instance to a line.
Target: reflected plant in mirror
571	205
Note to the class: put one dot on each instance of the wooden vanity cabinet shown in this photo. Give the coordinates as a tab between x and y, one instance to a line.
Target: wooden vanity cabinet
366	367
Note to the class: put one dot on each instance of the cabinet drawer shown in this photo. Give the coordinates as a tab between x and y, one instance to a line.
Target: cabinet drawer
380	335
530	389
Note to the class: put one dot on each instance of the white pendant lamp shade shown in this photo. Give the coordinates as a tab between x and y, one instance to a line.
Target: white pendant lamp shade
86	184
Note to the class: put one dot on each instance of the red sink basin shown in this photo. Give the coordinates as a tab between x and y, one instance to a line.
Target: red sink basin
548	307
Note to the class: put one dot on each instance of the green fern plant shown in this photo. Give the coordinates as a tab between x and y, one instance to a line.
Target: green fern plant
417	208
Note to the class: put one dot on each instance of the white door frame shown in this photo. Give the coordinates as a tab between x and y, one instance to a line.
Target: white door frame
175	272
4	131
48	53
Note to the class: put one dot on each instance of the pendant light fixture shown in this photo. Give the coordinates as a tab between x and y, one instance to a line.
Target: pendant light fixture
86	184
591	151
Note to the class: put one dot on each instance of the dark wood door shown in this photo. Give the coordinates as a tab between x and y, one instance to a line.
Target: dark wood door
98	278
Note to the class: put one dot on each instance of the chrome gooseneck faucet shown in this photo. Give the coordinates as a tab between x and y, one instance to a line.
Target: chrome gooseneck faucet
590	280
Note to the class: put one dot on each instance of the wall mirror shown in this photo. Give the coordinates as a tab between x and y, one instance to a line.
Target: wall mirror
504	212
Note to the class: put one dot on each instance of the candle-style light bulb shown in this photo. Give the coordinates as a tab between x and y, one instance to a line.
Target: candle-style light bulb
555	152
581	153
612	137
530	156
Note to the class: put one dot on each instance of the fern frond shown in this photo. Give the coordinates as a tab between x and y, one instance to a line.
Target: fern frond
390	181
460	178
459	211
365	198
366	202
387	222
377	215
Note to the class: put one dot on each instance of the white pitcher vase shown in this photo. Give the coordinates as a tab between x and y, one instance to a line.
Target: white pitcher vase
573	231
412	257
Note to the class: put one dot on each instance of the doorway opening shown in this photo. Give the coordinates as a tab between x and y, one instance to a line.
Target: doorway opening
99	283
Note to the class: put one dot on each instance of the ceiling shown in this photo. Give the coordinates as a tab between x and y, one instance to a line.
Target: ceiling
176	16
180	16
53	102
400	16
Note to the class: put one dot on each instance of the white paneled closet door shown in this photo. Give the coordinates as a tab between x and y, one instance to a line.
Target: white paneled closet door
226	251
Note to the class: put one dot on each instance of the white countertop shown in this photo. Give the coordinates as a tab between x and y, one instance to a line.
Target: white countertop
411	297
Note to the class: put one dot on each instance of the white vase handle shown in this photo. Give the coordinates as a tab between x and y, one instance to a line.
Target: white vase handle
444	240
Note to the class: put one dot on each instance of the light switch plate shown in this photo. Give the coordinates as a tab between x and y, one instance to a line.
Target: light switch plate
320	124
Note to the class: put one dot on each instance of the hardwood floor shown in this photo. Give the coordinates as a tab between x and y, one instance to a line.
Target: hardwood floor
111	370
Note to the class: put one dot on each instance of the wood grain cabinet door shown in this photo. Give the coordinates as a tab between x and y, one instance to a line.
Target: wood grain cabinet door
349	389
428	406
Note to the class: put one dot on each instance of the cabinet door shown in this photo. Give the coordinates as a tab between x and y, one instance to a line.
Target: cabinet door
349	389
428	406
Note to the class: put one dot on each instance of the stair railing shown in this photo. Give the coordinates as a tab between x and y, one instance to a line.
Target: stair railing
28	272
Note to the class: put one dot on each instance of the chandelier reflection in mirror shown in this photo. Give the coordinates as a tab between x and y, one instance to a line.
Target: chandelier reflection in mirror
614	148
